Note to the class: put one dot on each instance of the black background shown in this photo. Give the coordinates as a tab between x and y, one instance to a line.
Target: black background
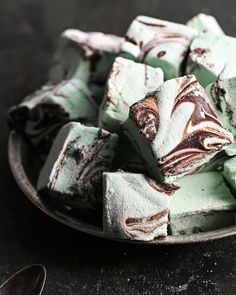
77	263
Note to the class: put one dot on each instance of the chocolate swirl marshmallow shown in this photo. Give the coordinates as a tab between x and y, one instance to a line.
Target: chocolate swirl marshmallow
187	131
158	43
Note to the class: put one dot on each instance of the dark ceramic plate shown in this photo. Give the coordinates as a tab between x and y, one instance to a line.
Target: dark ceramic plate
25	169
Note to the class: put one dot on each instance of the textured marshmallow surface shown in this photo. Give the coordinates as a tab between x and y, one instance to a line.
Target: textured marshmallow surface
229	173
74	167
176	129
158	43
134	206
205	23
42	112
203	202
127	83
95	49
212	57
222	94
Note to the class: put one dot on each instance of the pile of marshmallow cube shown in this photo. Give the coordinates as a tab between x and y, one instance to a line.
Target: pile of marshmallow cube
139	131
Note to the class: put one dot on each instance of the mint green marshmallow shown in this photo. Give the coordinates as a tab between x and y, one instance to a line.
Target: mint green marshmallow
222	94
229	173
73	170
212	57
158	43
204	202
205	23
127	83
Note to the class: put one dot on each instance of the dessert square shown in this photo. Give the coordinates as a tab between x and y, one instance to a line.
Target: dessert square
95	50
222	95
212	57
203	203
205	23
135	207
73	170
175	129
127	83
158	43
40	115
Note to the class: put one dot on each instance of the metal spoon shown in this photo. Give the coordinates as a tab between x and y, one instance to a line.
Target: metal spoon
27	281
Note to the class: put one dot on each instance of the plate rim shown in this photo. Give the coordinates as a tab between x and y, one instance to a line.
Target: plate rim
15	143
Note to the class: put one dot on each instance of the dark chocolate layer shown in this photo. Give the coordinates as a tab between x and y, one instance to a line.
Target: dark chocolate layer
218	93
145	113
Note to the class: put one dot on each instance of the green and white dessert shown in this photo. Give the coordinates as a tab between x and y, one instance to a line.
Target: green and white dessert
94	51
203	203
77	76
135	207
42	113
205	23
212	57
74	167
127	83
162	152
175	129
158	43
229	173
222	94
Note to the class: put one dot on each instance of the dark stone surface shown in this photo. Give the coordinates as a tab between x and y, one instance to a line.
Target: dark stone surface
77	263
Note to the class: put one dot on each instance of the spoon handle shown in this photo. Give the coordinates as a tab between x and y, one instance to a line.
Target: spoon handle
27	281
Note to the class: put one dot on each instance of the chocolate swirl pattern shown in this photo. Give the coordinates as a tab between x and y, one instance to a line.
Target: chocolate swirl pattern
39	117
218	94
88	55
148	225
124	88
158	43
74	167
134	227
189	132
91	163
89	168
146	115
164	188
203	133
165	39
